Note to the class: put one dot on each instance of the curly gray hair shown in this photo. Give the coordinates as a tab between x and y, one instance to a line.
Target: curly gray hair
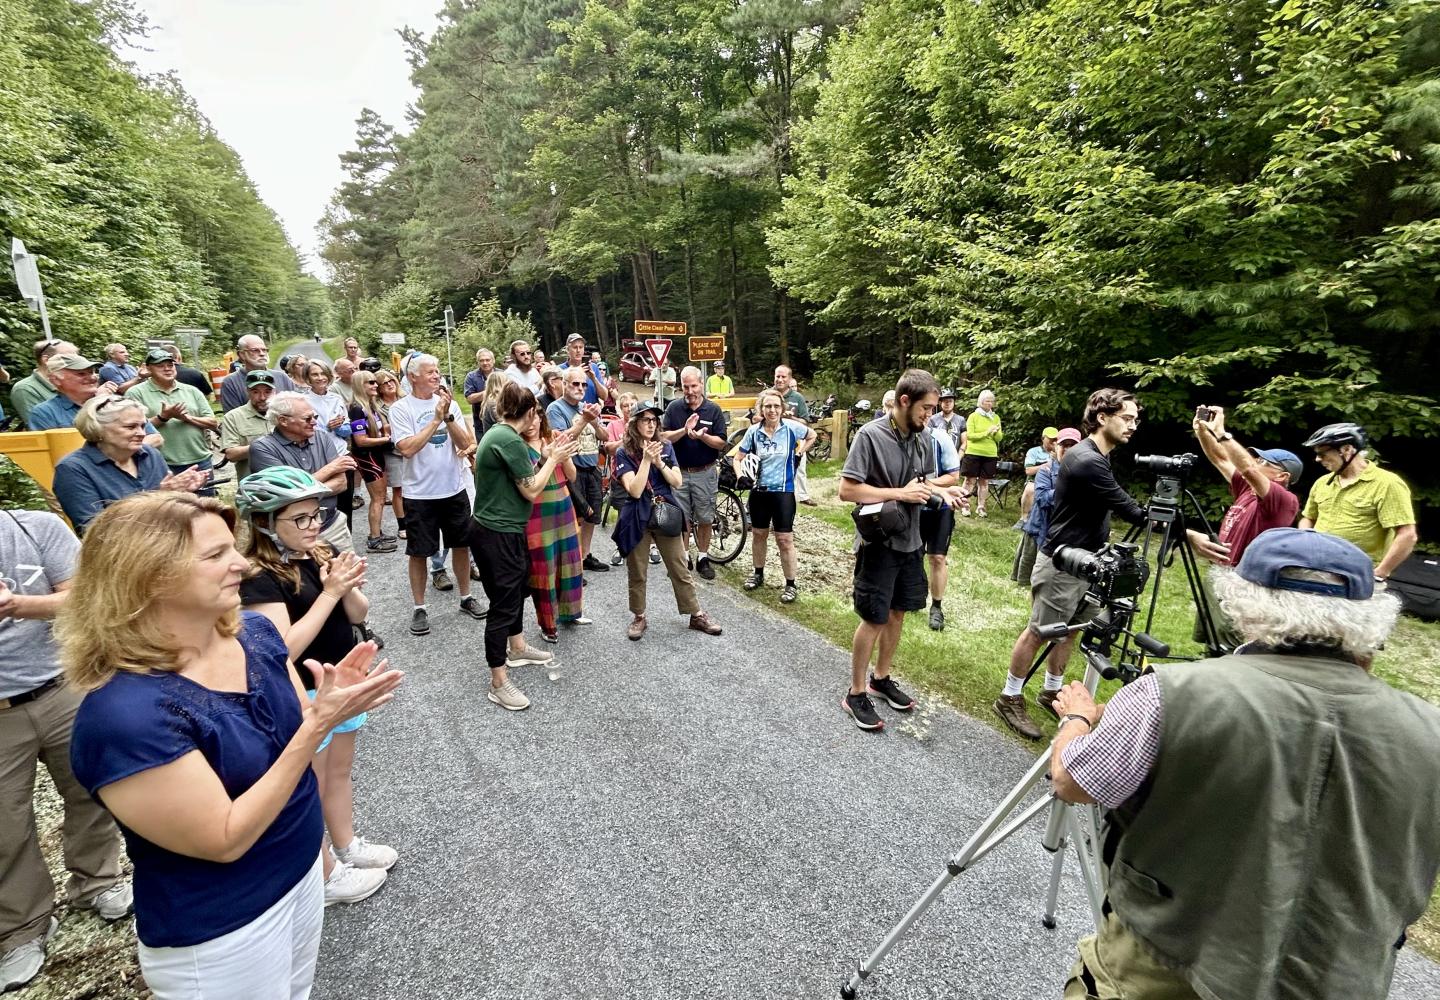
1288	617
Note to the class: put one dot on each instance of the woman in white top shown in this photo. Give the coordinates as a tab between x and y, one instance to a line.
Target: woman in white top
330	407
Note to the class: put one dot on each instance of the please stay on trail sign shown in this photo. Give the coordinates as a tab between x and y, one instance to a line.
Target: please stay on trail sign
659	349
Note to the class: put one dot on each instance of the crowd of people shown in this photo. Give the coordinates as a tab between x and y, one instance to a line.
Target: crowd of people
216	719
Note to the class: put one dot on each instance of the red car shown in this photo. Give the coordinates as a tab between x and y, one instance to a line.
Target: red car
634	367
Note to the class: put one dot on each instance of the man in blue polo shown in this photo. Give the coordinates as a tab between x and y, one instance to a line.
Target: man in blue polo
572	411
76	380
595	390
697	427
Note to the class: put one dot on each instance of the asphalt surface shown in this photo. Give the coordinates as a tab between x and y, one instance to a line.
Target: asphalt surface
683	816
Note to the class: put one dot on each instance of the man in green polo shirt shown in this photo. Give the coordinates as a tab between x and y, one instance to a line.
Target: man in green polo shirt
179	411
35	388
1358	500
247	423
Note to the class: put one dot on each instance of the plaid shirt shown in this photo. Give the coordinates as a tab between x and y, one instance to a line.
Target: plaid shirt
1113	761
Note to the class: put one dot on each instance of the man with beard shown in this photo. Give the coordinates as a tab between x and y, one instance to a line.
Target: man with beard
247	423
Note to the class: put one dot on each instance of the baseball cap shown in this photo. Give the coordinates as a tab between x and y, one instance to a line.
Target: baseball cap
947	393
1050	432
1287	460
70	362
647	406
1067	435
259	377
574	337
157	356
1273	552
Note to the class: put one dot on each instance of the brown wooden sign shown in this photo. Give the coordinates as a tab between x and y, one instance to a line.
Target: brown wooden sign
707	348
660	328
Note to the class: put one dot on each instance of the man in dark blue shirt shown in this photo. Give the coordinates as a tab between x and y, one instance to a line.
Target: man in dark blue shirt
697	428
595	389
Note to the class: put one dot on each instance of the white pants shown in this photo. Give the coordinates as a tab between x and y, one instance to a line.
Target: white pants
802	481
270	958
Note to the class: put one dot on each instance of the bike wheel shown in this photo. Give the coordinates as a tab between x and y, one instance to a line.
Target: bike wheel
820	450
730	528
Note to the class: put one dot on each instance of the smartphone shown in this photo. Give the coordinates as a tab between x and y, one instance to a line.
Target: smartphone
1204	414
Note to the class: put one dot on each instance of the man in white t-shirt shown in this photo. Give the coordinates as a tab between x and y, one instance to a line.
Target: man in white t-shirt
523	369
431	435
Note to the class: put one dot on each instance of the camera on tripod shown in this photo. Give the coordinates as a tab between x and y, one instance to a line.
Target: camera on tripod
1115	571
1178	466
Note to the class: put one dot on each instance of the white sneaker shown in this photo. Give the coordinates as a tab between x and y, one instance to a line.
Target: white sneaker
23	963
112	904
363	854
582	620
509	697
526	656
348	884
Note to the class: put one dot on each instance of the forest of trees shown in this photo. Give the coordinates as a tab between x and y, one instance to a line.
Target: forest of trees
1233	199
140	217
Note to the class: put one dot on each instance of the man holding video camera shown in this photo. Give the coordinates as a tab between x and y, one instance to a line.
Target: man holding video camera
889	467
1275	822
1085	497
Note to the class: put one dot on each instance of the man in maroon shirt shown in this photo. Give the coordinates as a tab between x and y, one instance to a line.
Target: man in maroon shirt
1259	482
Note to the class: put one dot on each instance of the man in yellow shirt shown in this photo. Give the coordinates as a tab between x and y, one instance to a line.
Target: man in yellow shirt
1358	500
719	384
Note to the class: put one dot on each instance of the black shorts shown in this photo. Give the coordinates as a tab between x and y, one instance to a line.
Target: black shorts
428	521
587	491
886	580
979	466
772	511
936	527
370	463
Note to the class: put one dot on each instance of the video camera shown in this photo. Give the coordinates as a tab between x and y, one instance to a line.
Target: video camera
1115	571
1179	466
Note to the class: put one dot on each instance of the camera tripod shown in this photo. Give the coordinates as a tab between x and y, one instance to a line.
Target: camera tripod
1066	825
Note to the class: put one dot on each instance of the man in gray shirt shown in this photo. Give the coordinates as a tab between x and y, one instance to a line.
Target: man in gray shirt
37	711
254	355
294	442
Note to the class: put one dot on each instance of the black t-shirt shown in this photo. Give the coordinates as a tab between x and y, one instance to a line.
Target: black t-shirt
360	424
186	375
1085	497
690	453
335	637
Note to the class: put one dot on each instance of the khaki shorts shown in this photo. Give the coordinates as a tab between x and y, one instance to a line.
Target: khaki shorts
1056	596
1114	965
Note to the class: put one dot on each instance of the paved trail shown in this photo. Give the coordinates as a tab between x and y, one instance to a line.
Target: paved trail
683	816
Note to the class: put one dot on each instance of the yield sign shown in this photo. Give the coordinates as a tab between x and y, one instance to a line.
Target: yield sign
659	348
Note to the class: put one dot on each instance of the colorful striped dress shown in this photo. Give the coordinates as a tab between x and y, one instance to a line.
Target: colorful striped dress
554	545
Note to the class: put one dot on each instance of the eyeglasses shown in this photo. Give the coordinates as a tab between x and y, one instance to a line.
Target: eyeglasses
304	522
579	382
522	354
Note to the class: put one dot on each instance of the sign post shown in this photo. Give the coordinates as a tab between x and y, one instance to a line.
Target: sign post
189	338
449	329
27	279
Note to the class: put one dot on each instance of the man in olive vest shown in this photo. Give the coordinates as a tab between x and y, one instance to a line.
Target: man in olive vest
1276	812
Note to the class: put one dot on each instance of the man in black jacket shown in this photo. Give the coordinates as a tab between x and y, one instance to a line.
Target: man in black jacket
1085	497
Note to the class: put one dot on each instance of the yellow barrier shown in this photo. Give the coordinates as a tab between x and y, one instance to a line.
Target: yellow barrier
37	452
734	403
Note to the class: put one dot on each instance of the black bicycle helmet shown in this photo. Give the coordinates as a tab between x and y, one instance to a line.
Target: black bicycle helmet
1335	435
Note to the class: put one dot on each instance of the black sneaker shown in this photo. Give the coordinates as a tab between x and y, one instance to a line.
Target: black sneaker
886	688
706	571
472	608
858	707
380	544
594	565
370	635
419	622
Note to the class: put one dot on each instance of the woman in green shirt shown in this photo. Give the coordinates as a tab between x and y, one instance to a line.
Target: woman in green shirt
507	484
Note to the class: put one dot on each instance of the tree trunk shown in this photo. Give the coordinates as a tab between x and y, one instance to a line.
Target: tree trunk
784	326
575	311
734	305
646	287
614	318
597	307
555	331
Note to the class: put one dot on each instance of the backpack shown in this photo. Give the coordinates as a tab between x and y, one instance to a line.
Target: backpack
1416	582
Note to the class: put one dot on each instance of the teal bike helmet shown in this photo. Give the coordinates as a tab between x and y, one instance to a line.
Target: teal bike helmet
279	486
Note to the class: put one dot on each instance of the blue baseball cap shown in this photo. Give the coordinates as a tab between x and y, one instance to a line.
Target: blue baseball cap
1273	552
1287	460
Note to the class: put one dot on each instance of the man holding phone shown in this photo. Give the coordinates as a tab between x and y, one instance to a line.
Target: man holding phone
1260	484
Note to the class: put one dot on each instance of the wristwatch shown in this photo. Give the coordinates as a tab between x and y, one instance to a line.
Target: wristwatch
1088	723
449	418
1227	436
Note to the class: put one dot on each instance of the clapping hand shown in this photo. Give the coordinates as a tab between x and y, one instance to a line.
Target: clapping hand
562	448
591	411
345	689
690	424
336	421
188	481
652	451
343	574
172	411
442	403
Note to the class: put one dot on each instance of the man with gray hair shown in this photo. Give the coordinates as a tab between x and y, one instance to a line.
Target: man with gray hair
35	388
1300	786
292	441
118	370
697	428
254	355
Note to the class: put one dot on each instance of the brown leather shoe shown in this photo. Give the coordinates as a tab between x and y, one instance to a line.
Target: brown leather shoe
1011	709
637	628
702	623
1046	700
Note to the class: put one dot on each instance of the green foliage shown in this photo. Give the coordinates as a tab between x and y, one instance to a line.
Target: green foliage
140	217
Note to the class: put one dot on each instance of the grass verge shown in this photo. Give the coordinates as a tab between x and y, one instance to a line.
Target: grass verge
966	664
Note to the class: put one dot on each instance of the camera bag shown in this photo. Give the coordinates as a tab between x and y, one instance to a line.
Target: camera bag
1416	582
877	522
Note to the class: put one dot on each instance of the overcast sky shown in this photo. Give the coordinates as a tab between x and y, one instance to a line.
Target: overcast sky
283	82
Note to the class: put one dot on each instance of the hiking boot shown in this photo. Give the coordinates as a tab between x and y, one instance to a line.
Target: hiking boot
788	593
23	963
637	628
858	707
440	580
594	565
112	903
937	618
472	607
508	696
348	884
1046	700
706	571
1011	709
363	854
754	581
702	623
527	656
379	543
419	622
886	689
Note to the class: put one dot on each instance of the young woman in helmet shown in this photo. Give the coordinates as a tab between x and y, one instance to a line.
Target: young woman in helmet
769	455
314	598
